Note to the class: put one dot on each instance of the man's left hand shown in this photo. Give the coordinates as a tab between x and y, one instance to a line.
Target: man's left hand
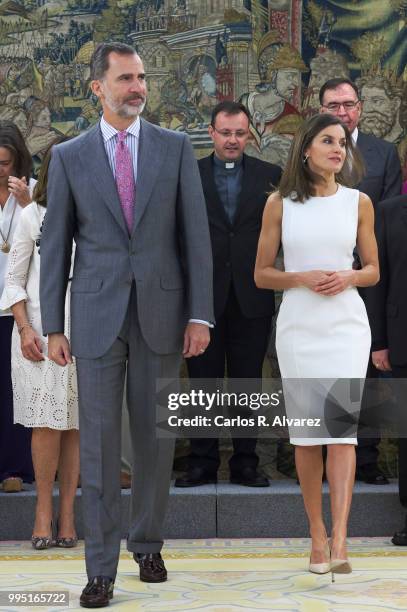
196	339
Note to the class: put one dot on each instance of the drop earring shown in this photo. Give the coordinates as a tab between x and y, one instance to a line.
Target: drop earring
305	159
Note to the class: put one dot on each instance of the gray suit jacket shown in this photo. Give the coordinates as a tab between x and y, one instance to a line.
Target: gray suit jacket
168	254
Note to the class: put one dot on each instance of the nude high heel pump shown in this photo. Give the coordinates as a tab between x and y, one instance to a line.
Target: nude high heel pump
321	568
340	566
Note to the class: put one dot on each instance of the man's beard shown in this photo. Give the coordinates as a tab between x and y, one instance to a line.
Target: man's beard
377	124
125	110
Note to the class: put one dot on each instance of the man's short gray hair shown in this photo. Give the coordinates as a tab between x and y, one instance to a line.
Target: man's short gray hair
99	62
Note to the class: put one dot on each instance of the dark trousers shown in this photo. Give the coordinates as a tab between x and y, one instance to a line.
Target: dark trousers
15	440
401	392
241	344
367	451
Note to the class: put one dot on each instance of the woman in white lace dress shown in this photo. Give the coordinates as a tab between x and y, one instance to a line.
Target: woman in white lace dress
15	193
45	395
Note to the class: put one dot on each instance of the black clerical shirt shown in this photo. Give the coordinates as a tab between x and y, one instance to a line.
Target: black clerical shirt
228	180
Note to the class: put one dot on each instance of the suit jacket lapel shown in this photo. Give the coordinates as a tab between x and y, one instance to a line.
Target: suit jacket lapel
216	210
151	155
93	156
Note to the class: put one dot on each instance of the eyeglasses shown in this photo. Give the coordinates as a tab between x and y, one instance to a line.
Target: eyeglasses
229	133
335	106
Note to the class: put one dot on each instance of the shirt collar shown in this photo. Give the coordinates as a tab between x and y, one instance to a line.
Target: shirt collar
355	135
108	131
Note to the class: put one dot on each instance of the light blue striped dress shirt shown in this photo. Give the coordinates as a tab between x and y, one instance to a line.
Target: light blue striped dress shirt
109	134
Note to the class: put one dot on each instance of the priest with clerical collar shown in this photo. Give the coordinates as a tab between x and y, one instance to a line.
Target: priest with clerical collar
236	188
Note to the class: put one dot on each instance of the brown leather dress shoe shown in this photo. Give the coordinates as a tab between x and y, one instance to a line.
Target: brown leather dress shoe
152	568
97	592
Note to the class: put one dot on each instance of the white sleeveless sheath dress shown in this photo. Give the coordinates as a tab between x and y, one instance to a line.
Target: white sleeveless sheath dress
320	337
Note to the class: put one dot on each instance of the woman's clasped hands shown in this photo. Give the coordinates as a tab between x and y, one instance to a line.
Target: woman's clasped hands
328	282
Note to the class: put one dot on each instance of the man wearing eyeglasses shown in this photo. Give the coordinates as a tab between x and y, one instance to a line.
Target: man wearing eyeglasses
340	97
382	181
236	188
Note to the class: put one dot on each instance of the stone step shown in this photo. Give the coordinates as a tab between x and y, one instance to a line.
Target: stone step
230	511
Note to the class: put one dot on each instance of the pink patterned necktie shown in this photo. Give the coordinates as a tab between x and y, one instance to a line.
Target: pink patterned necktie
125	179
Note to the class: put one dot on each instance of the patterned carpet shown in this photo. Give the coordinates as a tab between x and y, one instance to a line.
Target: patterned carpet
223	576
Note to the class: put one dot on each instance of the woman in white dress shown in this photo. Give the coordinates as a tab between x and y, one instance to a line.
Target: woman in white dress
322	327
45	395
16	189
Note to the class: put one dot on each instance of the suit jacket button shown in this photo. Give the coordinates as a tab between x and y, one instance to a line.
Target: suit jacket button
232	234
228	264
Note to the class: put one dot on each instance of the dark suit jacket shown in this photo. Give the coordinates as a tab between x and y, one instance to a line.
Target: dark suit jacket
387	302
383	170
234	246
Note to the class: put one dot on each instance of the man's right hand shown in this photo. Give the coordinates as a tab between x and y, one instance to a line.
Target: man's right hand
59	350
381	360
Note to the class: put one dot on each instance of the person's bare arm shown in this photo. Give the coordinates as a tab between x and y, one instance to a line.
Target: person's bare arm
31	345
367	248
369	275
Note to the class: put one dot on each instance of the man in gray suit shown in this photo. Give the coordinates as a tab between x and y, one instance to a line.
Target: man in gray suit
130	195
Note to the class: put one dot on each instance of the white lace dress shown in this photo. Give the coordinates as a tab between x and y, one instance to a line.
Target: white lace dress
45	394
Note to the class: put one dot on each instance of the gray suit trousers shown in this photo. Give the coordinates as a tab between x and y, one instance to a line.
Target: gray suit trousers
101	383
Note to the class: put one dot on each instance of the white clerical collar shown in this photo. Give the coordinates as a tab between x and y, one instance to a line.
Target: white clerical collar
227	165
